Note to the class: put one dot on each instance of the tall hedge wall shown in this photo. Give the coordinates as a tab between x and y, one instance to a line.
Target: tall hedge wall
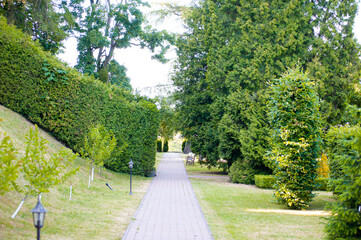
66	103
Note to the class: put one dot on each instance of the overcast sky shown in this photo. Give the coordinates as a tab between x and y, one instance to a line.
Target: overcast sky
142	70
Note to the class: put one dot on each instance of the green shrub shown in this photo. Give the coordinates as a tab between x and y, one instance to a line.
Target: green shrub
268	181
159	145
183	145
339	142
264	181
239	172
165	146
65	103
295	121
322	184
344	146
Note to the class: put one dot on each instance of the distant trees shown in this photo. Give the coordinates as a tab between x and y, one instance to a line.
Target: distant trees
168	119
344	146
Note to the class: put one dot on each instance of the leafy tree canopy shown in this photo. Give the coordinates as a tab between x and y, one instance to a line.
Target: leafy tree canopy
101	27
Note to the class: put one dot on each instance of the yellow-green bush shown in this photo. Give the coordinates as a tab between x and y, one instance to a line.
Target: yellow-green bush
323	169
268	181
66	103
264	181
296	137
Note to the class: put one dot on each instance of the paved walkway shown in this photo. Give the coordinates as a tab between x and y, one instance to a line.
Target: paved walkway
170	209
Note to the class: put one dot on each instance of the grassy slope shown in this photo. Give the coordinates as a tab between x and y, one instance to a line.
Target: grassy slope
237	211
93	213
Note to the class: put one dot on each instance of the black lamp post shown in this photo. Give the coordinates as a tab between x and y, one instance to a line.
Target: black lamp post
131	168
38	216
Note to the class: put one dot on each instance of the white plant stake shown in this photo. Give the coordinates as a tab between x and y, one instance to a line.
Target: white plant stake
17	210
99	144
92	173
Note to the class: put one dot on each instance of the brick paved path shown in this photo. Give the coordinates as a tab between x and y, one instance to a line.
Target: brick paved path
170	209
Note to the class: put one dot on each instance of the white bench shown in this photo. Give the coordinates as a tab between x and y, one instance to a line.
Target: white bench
190	159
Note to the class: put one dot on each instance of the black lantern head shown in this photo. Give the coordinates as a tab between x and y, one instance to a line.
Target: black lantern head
131	164
38	214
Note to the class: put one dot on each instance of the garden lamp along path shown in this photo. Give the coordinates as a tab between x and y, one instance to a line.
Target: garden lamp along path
38	216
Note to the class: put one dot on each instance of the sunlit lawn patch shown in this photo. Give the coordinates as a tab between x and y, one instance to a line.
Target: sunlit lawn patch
236	211
201	169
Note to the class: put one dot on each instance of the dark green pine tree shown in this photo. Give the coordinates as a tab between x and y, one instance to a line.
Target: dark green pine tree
344	149
334	56
233	49
193	98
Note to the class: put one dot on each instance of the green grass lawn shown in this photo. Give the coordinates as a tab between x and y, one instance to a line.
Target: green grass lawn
236	211
93	213
197	169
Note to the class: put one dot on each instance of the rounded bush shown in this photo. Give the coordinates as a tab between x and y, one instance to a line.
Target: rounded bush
241	173
265	181
159	145
165	146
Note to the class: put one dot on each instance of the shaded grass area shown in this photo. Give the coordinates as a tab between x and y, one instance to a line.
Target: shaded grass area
92	213
201	169
236	211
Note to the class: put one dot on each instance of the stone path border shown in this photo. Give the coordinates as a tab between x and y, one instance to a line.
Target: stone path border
169	209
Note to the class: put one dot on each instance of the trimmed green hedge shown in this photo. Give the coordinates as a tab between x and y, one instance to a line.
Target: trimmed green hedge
322	184
240	172
165	146
66	103
268	181
264	181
